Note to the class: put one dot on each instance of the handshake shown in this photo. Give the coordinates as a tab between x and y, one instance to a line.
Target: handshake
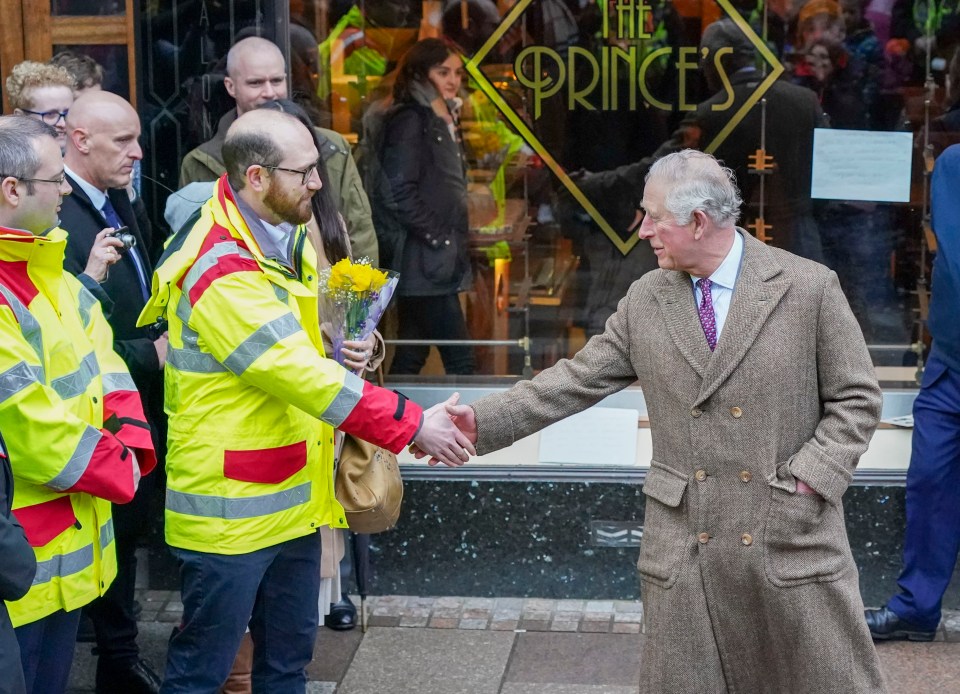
448	433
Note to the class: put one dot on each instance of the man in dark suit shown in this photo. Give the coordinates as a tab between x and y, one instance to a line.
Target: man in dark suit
16	575
101	151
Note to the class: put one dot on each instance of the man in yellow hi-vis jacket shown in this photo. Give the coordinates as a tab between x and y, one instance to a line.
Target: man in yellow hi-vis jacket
252	403
71	416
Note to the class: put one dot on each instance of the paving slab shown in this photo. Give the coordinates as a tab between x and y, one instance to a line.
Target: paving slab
921	668
332	654
429	661
532	688
576	659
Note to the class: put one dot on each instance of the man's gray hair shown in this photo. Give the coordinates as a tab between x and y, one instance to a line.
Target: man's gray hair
18	154
697	181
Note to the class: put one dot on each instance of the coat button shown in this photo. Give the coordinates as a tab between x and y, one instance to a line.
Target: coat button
447	242
701	475
746	539
696	412
703	538
745	476
736	412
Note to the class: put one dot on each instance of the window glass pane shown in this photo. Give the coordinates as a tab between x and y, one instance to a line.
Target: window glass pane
63	8
113	58
561	106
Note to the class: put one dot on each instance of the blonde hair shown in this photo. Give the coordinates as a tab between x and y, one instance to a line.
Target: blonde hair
29	75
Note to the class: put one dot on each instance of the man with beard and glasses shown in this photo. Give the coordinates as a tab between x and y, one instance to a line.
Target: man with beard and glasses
253	403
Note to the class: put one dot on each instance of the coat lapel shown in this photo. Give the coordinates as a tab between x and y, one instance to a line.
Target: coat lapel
675	296
759	289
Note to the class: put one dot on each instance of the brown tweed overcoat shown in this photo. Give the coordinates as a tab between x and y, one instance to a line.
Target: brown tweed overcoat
747	586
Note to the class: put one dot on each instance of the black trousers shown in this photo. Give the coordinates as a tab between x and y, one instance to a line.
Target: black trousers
431	318
112	613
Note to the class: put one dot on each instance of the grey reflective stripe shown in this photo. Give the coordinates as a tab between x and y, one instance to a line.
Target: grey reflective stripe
18	377
262	339
76	383
281	293
29	327
85	303
78	462
190	357
64	565
118	381
211	258
234	509
194	361
183	309
106	533
346	400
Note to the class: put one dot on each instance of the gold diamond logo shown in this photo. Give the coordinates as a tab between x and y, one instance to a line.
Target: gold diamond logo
473	66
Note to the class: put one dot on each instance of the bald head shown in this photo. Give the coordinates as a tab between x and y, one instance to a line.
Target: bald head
271	160
256	73
102	139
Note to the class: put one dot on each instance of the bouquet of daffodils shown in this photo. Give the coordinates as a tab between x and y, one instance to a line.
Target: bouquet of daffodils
355	295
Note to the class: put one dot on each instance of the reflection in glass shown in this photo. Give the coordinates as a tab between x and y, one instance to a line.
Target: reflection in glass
101	8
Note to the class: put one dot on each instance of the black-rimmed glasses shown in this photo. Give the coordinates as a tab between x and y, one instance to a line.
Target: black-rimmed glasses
304	174
59	180
48	117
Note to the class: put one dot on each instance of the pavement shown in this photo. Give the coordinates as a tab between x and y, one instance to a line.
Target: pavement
450	645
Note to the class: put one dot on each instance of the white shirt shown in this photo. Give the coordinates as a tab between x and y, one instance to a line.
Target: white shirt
97	196
723	279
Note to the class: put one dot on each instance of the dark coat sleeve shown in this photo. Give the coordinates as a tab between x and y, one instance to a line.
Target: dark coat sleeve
19	563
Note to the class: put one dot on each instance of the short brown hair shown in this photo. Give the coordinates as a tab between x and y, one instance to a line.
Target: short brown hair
85	71
30	74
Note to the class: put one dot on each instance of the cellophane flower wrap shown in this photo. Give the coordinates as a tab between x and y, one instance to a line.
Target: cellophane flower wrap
354	296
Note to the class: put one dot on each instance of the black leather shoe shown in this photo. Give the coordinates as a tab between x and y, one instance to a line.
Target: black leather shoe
886	625
129	678
343	615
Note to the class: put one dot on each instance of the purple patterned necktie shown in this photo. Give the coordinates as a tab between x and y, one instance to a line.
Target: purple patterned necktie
707	318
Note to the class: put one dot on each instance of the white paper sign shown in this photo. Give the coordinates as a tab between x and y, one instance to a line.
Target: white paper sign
599	435
861	165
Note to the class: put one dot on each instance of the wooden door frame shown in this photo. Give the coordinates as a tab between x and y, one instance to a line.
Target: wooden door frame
47	31
11	42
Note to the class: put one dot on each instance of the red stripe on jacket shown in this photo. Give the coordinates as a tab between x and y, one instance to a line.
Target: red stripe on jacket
225	265
13	275
374	418
134	431
109	473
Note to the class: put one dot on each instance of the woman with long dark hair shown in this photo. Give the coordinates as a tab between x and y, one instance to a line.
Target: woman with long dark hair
419	197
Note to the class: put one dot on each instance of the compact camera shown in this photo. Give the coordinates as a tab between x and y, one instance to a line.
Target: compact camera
126	238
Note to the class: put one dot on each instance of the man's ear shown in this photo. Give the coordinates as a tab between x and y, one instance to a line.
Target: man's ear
80	139
255	178
8	191
230	86
699	224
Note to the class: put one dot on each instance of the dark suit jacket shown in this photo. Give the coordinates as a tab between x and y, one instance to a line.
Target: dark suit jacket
83	222
120	294
17	568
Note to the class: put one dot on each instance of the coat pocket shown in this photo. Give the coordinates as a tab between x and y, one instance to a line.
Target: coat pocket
439	265
265	465
805	540
43	522
665	533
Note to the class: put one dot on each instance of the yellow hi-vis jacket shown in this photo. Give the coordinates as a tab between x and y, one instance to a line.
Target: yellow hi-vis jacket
69	412
251	398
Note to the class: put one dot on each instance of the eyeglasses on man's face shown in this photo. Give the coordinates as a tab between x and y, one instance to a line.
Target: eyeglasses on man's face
48	117
304	174
59	180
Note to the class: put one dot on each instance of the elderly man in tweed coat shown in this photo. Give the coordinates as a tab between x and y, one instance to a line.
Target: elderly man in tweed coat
762	397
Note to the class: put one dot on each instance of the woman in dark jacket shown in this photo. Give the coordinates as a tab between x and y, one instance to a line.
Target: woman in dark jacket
420	205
